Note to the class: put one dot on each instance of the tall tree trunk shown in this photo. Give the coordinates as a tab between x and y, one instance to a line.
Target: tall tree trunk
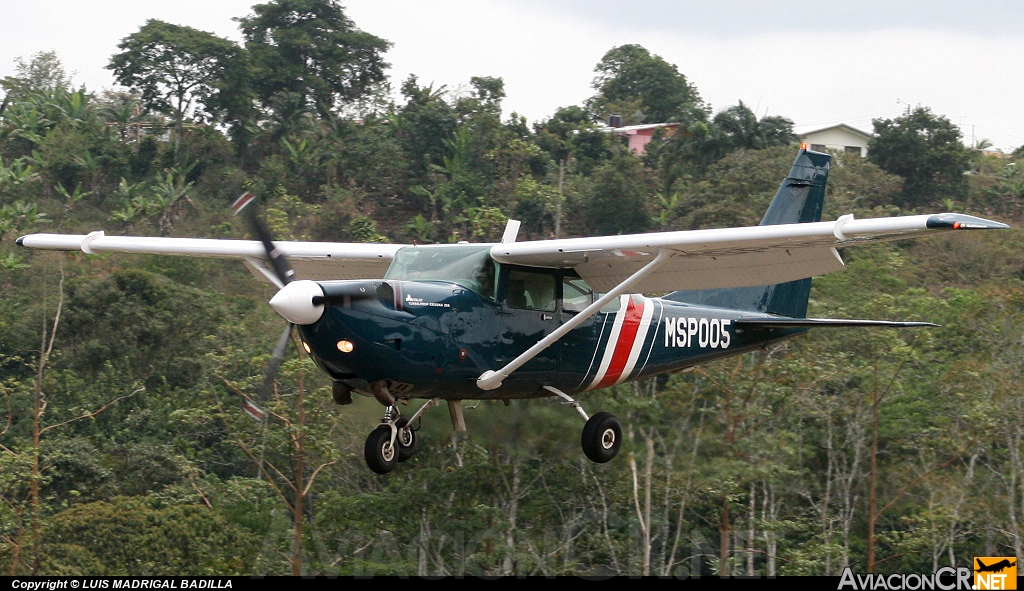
512	510
558	204
724	540
873	482
38	410
643	509
297	507
751	508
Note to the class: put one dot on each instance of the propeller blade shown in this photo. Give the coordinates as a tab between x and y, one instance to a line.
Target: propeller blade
276	359
256	413
264	390
284	272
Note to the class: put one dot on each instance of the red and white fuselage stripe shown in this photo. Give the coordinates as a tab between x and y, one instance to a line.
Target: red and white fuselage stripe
625	344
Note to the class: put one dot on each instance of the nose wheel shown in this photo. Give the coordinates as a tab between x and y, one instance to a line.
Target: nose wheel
393	441
379	450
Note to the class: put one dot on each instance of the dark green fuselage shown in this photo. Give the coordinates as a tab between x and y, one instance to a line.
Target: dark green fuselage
434	339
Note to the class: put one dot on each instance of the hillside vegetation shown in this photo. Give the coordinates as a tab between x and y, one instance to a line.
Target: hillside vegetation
124	449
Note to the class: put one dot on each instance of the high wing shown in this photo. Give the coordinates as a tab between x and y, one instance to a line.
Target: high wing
697	259
310	260
723	258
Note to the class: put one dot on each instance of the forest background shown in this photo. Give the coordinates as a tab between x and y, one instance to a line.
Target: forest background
123	447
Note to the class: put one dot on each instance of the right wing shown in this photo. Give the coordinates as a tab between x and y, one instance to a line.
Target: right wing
310	260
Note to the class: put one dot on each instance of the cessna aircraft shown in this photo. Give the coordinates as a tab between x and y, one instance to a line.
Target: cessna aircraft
545	318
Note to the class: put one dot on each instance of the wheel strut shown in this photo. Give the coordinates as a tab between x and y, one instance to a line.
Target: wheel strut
602	434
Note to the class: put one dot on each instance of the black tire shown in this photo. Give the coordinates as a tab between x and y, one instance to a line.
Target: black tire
380	454
602	437
405	440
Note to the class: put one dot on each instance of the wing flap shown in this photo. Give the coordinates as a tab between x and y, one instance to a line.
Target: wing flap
717	269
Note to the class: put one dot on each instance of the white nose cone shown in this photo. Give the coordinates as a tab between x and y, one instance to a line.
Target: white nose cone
295	302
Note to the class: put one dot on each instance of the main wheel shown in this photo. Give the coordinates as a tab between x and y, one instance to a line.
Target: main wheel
602	437
380	454
405	440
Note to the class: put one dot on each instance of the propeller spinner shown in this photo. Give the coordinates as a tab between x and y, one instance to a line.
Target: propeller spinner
300	302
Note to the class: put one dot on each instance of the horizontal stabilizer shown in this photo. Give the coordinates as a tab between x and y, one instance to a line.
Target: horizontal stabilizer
822	322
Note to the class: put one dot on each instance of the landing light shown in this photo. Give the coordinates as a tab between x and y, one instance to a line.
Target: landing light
345	346
305	346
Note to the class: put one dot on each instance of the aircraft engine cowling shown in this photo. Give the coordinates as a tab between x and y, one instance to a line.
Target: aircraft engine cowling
299	302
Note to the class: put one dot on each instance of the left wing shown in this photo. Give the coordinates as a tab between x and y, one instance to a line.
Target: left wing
722	258
310	260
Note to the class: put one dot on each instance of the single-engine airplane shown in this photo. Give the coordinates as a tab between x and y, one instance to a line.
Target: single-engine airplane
545	318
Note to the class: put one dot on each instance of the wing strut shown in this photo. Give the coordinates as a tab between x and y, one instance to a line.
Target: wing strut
491	379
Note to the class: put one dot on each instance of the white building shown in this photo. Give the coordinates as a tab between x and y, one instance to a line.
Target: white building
840	138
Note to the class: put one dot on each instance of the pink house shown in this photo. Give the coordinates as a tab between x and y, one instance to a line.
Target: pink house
638	136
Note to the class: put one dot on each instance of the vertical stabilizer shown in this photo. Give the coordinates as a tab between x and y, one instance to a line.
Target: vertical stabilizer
799	200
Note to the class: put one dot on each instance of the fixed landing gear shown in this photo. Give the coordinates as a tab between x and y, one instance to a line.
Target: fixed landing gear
393	441
405	439
602	435
379	450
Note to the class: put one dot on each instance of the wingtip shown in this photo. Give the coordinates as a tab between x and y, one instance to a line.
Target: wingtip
20	241
960	221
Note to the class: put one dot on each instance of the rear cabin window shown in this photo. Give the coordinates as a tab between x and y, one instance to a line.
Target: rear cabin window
576	294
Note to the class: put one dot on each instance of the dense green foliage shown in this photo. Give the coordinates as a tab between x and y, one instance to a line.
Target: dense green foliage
123	448
926	151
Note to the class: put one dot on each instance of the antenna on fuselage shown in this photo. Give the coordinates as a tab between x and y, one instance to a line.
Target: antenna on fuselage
511	231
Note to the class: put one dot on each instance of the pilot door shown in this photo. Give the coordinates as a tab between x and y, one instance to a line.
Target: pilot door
530	312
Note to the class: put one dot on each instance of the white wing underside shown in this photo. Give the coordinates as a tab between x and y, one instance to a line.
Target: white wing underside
709	259
700	259
310	260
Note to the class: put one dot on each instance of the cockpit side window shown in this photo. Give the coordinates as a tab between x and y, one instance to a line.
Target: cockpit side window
483	279
531	290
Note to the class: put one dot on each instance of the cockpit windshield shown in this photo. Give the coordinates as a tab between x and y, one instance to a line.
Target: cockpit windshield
469	266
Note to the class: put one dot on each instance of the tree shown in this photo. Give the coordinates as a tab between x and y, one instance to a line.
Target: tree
569	134
738	128
424	128
310	50
927	151
177	68
116	538
44	73
643	88
619	201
